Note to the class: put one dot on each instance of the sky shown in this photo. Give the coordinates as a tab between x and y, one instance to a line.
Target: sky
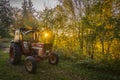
37	4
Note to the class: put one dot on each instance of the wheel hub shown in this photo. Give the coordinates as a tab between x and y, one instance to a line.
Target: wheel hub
53	59
28	65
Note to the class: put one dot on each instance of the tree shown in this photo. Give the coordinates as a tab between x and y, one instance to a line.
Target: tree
17	18
28	17
5	17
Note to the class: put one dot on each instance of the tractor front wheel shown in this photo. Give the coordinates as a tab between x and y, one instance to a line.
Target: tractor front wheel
54	59
30	64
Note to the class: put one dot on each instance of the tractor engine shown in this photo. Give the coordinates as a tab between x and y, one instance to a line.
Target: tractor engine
38	49
41	49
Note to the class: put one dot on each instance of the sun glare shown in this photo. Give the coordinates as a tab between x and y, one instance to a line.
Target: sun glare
46	35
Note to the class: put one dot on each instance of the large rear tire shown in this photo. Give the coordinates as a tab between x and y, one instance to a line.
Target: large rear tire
54	59
30	64
15	53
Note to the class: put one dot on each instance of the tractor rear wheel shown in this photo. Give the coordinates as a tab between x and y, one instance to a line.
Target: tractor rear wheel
30	64
54	59
15	53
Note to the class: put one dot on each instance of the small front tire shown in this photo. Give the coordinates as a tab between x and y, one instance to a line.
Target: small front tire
30	64
54	59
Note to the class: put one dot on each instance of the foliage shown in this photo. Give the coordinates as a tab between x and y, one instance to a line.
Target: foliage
90	29
5	18
24	17
28	17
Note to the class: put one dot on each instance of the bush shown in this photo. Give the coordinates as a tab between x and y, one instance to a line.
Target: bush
86	63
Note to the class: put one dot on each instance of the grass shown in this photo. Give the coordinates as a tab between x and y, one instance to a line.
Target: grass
65	70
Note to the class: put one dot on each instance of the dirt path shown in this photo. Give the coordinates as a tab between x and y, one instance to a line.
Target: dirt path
4	47
5	50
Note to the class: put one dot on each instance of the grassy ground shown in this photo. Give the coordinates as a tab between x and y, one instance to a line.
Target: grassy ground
65	70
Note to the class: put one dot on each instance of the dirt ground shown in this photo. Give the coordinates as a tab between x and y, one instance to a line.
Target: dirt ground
4	47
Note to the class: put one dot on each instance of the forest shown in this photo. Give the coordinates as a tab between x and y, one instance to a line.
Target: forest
87	33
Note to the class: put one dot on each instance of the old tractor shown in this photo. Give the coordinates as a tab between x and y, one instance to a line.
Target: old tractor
35	45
